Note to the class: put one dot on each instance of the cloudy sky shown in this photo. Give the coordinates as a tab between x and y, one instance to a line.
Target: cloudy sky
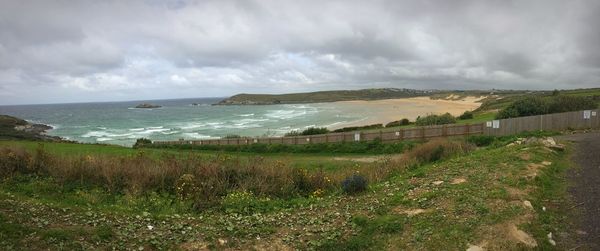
77	51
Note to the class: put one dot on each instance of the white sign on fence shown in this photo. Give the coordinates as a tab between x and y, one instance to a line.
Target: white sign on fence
496	124
594	113
397	133
587	114
357	137
488	124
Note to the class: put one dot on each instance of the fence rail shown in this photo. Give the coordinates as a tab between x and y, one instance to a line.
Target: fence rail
550	122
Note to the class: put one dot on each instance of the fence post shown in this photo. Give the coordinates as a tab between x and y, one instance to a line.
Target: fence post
423	133
381	135
401	134
444	130
326	137
467	129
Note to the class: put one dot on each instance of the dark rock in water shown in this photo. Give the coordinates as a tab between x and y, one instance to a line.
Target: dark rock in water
146	105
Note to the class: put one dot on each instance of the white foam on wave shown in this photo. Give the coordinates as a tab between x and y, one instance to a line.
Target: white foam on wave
246	115
103	139
285	114
137	129
100	134
169	133
151	131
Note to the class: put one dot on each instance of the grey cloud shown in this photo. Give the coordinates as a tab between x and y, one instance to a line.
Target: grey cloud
104	49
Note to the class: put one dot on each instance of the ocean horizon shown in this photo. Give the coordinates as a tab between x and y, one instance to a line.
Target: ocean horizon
121	123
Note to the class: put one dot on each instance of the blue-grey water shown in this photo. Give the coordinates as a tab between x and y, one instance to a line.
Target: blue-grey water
120	123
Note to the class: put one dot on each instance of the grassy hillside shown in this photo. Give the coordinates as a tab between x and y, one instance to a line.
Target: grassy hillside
447	202
321	96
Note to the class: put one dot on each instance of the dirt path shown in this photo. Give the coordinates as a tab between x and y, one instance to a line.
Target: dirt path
585	187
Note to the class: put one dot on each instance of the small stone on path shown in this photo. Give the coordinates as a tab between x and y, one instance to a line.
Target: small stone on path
552	242
474	248
522	237
458	181
527	204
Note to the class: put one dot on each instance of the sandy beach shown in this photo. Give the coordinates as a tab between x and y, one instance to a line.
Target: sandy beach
387	110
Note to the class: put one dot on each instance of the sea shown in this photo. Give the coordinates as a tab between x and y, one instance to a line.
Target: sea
121	123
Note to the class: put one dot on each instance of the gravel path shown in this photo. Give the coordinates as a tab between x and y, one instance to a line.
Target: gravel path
585	187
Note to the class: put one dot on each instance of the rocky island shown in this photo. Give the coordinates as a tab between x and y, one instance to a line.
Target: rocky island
146	106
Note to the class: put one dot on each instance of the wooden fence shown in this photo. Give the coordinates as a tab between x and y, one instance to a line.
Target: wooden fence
386	135
549	122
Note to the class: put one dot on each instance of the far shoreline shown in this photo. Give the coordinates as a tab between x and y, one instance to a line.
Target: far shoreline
388	110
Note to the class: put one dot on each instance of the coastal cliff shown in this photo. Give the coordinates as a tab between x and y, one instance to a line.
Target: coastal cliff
322	96
16	128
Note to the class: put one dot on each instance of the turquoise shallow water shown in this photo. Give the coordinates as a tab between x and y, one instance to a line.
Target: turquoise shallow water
120	123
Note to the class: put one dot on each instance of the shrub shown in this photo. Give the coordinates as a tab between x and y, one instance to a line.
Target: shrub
315	131
433	119
243	202
401	122
13	160
524	107
141	142
562	103
438	149
356	128
466	115
185	187
481	140
530	106
354	184
293	133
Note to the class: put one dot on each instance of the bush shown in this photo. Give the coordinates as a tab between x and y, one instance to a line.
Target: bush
292	133
315	131
401	122
481	140
530	106
141	142
433	119
356	128
186	187
243	202
354	184
435	150
13	160
562	103
466	115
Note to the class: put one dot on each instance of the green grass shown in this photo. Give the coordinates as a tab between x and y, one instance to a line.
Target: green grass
81	217
309	161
